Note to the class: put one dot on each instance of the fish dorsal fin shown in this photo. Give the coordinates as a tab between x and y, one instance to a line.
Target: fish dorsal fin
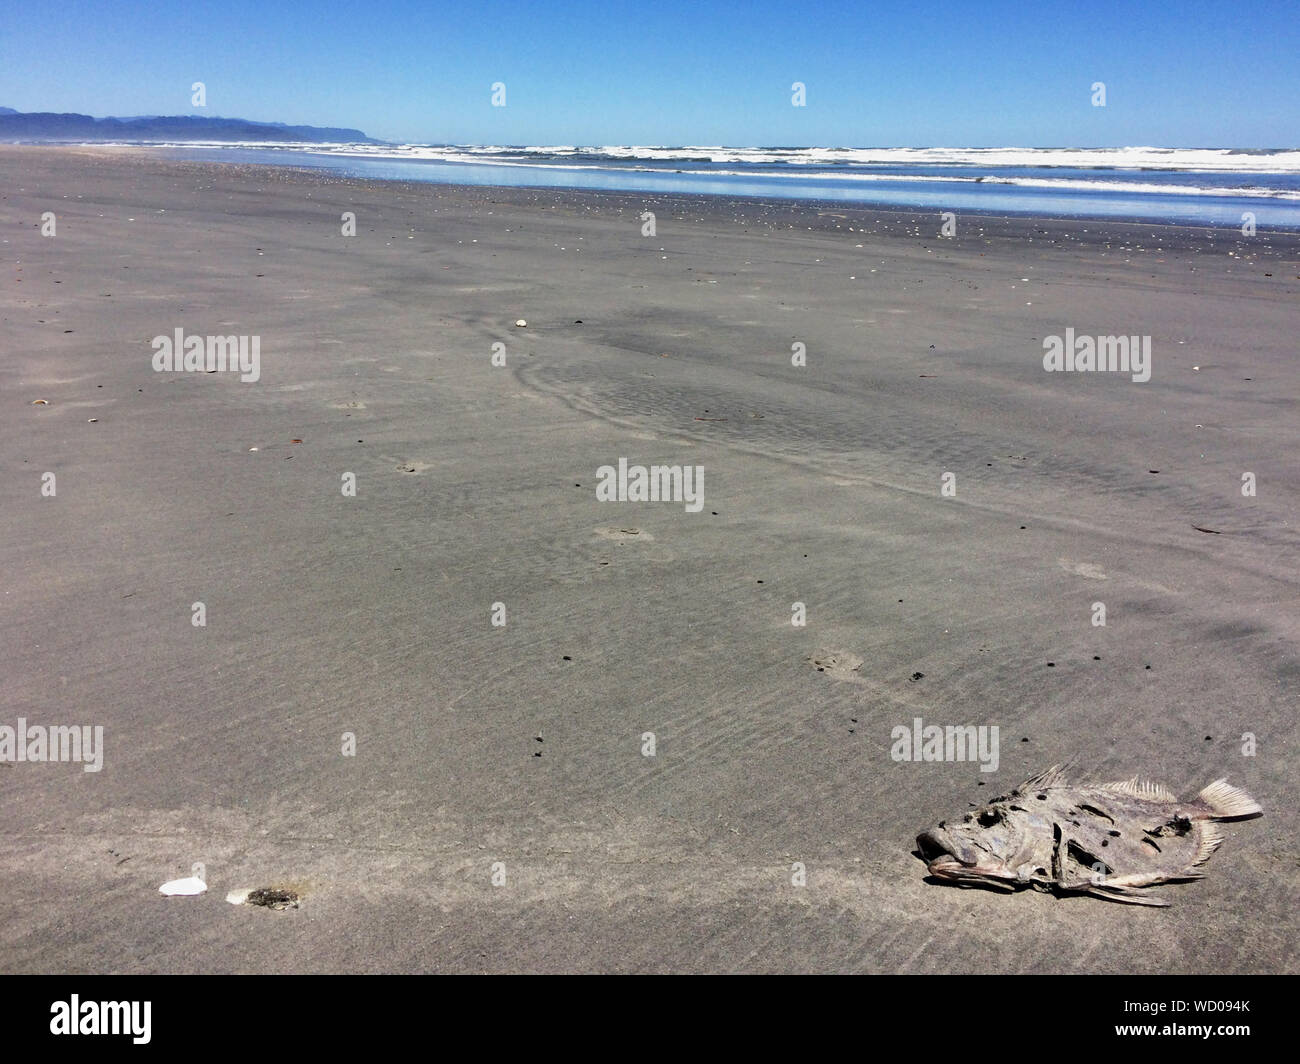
1052	777
1228	801
1140	788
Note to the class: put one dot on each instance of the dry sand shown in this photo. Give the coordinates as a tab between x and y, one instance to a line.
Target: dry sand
475	485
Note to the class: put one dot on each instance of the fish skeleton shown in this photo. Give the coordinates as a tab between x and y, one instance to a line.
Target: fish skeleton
1105	839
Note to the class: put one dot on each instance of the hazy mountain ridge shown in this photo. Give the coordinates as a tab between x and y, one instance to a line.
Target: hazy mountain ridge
45	126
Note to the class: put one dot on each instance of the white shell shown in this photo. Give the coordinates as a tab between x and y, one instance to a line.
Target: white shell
183	887
521	324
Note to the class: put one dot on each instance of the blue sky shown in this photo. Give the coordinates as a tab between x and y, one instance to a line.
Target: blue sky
878	72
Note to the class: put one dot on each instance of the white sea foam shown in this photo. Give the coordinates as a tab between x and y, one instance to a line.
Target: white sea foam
537	158
1062	184
1134	158
1262	175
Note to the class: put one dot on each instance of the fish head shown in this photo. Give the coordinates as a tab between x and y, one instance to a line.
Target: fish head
987	846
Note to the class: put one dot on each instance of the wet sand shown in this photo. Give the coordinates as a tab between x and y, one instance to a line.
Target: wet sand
515	751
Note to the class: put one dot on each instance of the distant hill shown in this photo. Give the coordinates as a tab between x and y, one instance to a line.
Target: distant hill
44	126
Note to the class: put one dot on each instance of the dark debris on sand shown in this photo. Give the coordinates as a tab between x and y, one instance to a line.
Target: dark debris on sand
273	898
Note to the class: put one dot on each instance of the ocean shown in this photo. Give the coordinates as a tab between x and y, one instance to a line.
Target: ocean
1207	187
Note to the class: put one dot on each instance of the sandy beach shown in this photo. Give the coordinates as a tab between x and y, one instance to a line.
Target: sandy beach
643	765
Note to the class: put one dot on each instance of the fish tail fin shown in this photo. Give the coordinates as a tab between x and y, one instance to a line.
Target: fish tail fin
1229	803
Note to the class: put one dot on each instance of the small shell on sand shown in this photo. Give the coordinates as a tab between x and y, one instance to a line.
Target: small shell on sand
521	324
183	887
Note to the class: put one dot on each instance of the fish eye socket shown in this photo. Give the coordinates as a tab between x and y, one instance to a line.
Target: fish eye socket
989	817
